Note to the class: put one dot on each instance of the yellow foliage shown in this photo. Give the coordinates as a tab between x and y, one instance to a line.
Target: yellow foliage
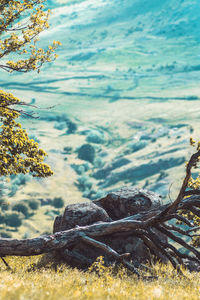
193	184
21	36
18	153
21	22
66	283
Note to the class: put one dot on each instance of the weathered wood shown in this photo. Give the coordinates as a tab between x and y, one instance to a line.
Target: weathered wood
47	243
69	237
143	226
116	205
192	163
112	252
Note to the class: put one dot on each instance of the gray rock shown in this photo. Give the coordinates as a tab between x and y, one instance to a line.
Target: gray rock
128	201
115	205
80	214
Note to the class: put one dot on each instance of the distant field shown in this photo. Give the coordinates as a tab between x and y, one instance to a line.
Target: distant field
131	77
145	144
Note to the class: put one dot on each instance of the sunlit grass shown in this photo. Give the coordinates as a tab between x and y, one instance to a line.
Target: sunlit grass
66	283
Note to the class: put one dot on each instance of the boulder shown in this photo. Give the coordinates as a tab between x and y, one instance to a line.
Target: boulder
80	214
128	201
116	205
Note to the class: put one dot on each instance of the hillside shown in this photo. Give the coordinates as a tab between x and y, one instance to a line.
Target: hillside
127	83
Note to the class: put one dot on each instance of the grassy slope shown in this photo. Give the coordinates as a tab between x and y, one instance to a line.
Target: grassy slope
126	63
116	117
66	283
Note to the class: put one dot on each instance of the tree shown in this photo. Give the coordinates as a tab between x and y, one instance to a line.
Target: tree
18	153
21	22
19	35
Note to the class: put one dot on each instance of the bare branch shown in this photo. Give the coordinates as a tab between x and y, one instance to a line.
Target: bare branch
193	229
179	241
192	162
192	192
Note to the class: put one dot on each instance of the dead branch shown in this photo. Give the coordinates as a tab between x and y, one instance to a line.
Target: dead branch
142	228
5	263
154	227
112	252
192	163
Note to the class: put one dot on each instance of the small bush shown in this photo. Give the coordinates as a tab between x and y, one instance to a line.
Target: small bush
4	204
80	169
95	136
68	150
84	183
72	127
5	234
98	163
33	204
21	207
2	218
13	219
13	189
135	146
60	125
58	202
86	152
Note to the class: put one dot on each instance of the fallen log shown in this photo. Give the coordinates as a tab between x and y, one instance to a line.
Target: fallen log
141	225
106	226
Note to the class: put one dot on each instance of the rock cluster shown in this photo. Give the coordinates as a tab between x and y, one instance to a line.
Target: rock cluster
116	205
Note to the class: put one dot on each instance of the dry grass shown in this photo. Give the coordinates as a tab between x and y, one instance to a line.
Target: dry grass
65	283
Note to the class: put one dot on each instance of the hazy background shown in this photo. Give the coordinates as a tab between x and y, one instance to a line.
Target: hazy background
126	83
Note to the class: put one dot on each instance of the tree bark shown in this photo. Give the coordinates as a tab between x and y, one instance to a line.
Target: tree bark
157	226
141	225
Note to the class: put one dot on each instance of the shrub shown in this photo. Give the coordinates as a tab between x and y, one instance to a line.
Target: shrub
72	127
95	136
21	207
135	146
80	169
13	189
13	219
58	202
99	194
60	125
5	234
4	204
33	204
98	163
84	183
68	150
86	152
2	218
